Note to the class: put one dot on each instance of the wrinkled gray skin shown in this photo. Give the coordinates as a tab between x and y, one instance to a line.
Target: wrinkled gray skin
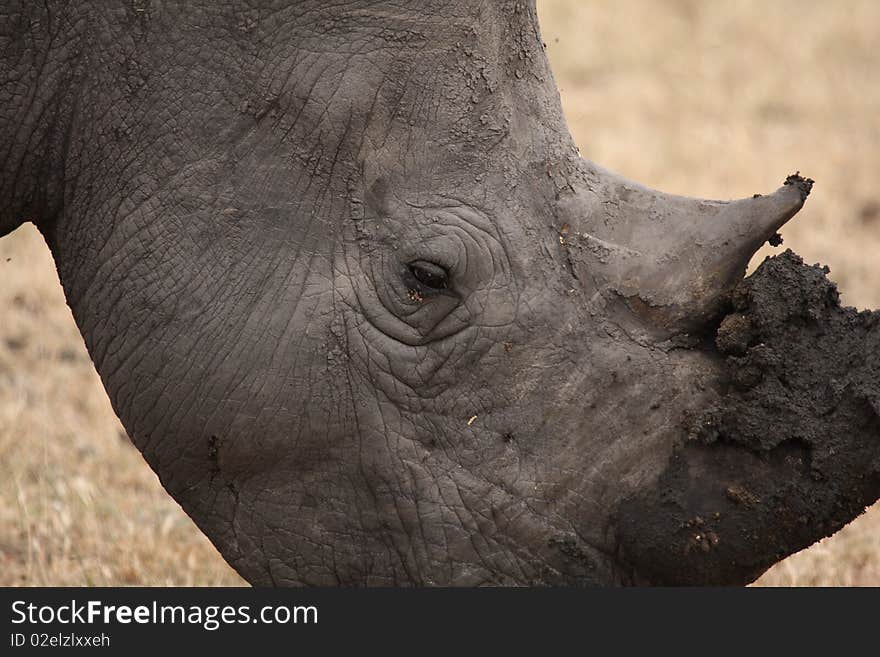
234	196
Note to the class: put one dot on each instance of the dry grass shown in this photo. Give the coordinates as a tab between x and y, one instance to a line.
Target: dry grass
702	98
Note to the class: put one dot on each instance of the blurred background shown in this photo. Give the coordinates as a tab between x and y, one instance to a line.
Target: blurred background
697	97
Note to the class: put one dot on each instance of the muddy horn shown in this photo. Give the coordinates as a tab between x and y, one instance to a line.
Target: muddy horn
674	258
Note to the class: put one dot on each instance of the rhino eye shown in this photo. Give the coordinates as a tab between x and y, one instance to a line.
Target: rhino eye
431	277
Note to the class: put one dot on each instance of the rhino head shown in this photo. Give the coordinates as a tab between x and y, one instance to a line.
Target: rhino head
373	320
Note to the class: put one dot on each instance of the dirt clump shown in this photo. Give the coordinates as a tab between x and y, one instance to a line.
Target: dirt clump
790	452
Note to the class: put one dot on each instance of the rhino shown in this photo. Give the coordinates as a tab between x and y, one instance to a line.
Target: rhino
372	319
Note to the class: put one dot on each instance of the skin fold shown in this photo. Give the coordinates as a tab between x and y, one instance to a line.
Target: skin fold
359	301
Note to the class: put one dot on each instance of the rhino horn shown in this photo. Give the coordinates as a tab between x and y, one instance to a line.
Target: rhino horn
676	259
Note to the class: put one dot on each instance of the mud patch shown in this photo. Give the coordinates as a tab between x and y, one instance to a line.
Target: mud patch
789	454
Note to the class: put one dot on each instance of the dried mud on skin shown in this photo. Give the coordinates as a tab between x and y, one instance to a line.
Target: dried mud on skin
789	454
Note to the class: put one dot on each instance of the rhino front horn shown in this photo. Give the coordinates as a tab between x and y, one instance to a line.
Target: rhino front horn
673	258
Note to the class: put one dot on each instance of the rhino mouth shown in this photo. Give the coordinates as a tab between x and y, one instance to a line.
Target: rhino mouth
792	443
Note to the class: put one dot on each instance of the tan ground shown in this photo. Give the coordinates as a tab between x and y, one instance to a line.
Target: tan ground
717	99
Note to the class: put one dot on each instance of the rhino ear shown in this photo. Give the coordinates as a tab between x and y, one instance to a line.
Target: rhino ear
674	258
